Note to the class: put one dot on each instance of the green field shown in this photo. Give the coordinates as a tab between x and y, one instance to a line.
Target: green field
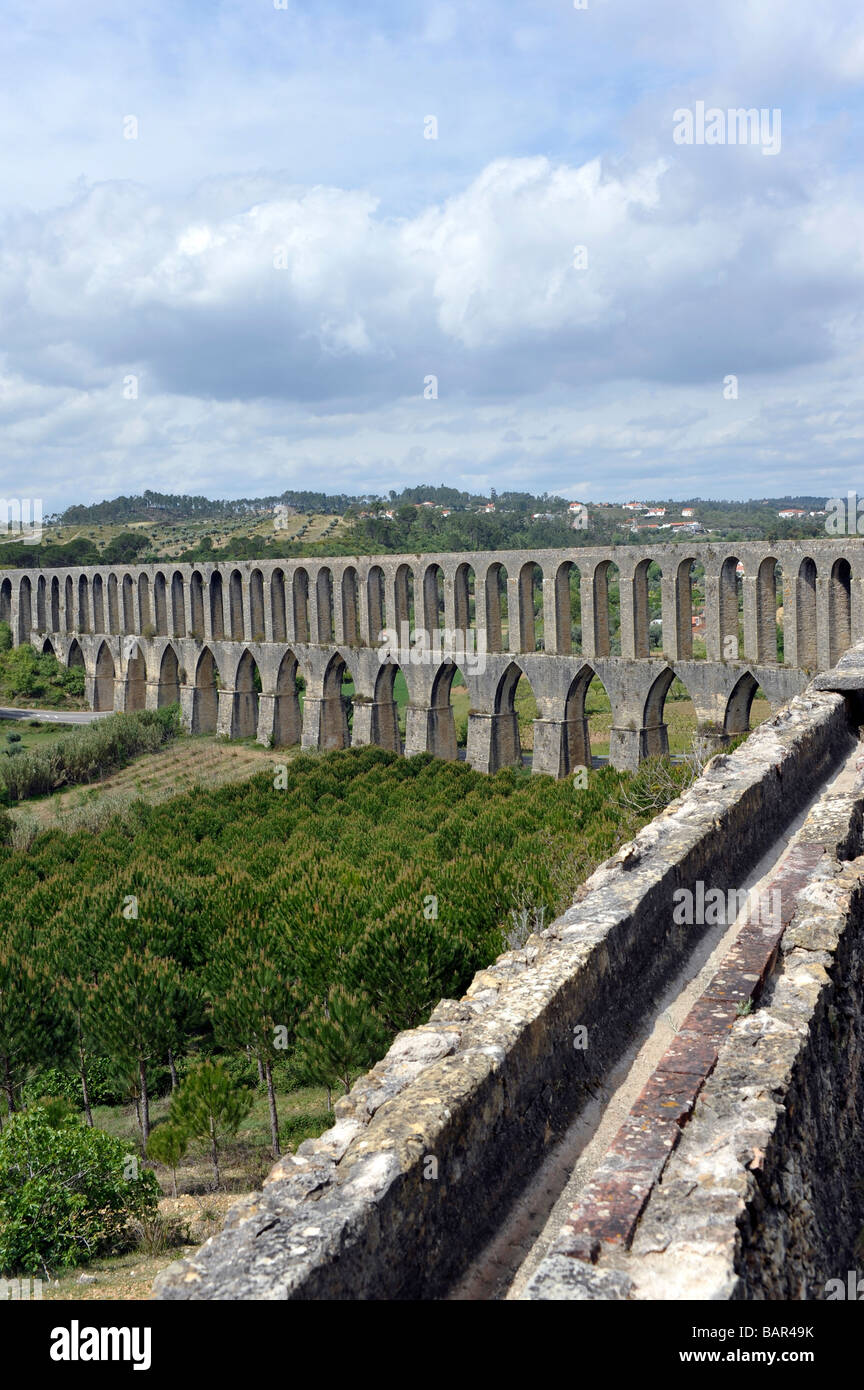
31	733
339	905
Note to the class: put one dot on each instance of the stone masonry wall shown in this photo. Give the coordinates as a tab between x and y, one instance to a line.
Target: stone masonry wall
762	1197
431	1146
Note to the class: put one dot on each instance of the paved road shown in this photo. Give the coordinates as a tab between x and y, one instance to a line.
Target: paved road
53	716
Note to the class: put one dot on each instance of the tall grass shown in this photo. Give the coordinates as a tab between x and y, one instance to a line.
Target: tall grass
86	754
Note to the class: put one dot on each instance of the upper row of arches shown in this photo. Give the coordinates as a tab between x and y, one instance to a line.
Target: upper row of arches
680	610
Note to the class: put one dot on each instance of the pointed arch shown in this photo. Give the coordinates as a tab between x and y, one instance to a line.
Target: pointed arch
103	686
205	695
168	691
287	713
136	679
75	656
441	735
247	684
385	731
577	743
588	714
669	720
507	743
337	704
736	719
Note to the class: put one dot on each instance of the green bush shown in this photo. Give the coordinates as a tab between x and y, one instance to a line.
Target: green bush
88	753
65	1196
104	1085
31	675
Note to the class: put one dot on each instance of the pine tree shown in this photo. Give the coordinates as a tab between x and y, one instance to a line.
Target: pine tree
168	1145
135	1008
209	1106
340	1036
31	1027
255	1001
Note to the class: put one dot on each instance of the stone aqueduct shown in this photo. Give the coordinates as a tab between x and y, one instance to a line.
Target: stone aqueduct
151	635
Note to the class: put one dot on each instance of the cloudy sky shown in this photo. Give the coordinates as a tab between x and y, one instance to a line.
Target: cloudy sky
232	257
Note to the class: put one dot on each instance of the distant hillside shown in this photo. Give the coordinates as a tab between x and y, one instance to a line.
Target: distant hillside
163	506
163	527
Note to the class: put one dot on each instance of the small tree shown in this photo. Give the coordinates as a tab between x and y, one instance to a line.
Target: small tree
342	1036
209	1106
255	999
167	1146
67	1193
133	1013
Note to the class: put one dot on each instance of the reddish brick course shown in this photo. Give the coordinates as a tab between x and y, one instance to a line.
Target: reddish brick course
609	1208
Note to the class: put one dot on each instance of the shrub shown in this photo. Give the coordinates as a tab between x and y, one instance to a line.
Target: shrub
58	1110
88	753
104	1085
28	674
65	1196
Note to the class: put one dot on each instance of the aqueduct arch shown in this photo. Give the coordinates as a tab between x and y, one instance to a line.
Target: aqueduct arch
550	613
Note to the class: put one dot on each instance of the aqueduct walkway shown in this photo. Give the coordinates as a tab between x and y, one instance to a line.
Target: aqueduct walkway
154	634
